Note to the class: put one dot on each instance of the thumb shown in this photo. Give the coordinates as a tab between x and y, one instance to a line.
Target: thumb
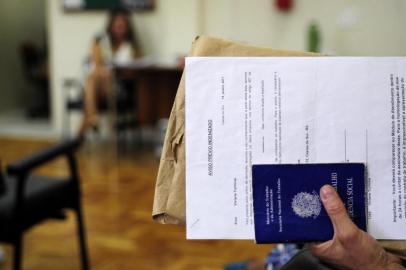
336	210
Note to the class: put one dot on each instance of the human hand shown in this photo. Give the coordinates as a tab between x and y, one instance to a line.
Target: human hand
350	248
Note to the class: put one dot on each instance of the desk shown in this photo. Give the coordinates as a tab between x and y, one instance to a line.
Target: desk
156	88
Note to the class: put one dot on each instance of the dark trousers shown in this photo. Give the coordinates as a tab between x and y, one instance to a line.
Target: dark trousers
304	260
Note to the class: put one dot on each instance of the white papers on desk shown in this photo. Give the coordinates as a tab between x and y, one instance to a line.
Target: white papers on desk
244	111
146	62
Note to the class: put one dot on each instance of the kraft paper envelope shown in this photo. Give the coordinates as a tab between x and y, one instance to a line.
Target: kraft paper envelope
169	202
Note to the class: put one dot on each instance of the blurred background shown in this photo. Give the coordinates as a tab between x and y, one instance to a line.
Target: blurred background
48	54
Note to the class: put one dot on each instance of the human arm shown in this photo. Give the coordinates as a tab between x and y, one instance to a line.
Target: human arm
96	55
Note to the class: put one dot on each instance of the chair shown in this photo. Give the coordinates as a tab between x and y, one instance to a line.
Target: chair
122	104
34	65
30	199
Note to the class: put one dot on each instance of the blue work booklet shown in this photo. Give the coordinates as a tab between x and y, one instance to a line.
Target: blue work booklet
287	204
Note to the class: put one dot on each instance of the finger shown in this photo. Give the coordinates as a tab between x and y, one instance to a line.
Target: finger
336	210
320	250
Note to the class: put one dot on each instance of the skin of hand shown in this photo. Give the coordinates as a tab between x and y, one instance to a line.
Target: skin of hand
350	248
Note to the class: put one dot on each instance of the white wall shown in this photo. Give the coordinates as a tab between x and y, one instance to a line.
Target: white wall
19	21
164	33
348	27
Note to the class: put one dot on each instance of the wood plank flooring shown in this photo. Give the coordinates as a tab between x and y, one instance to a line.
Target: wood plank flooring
117	197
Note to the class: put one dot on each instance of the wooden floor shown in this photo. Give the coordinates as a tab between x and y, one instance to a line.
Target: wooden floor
117	196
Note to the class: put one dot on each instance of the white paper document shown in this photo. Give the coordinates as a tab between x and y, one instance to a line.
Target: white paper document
268	110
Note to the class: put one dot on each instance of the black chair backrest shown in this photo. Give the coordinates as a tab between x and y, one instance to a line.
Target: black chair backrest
30	57
2	180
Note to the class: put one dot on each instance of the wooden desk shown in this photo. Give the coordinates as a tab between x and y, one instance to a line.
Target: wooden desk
156	88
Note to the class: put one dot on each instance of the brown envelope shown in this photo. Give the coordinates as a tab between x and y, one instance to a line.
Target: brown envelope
169	202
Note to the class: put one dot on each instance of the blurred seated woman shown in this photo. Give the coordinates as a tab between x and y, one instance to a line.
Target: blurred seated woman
117	44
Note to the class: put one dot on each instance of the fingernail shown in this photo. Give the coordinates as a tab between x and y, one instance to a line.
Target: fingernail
326	192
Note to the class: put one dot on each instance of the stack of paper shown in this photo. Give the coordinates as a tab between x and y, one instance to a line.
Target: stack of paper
244	111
